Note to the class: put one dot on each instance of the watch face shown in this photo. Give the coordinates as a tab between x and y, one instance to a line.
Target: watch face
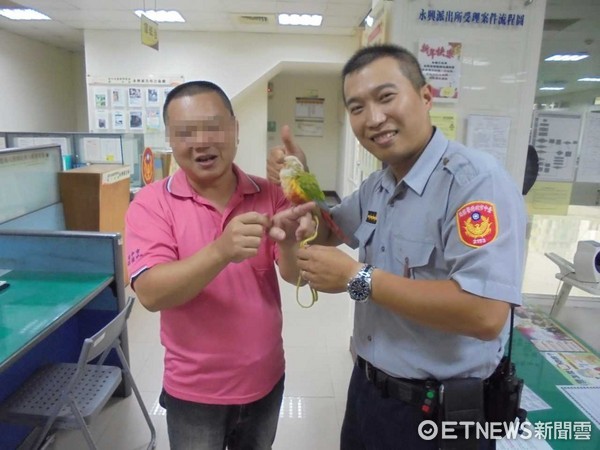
359	289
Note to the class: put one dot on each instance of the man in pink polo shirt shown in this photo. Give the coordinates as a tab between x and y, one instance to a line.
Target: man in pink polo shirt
201	248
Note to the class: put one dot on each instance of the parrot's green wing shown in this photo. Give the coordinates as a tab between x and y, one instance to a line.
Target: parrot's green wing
310	187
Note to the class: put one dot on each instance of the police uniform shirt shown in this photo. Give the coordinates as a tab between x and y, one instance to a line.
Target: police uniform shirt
456	215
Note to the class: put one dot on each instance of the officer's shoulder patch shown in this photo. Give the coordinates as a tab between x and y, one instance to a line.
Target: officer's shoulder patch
477	223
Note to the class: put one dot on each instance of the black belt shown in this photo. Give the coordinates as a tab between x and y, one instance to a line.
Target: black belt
420	393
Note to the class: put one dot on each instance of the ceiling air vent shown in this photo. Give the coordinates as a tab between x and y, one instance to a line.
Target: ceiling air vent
255	19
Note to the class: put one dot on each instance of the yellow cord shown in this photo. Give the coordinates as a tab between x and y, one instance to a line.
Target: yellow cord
314	293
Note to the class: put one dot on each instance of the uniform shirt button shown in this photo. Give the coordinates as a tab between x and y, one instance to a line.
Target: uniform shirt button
383	248
369	338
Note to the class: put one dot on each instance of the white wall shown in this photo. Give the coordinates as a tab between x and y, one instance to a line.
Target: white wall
79	90
238	62
503	81
233	60
251	112
40	86
323	153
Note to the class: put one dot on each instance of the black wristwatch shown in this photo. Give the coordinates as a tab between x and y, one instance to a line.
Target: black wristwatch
359	287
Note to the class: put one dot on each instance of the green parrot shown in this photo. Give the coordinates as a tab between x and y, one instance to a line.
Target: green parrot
300	187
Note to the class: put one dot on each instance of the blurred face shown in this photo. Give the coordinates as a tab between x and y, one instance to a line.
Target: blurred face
388	116
203	136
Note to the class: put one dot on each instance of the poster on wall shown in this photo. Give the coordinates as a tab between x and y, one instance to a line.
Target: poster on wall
549	198
555	136
135	97
152	97
102	120
588	169
309	116
117	97
118	122
136	121
440	63
445	121
126	103
489	134
153	120
100	98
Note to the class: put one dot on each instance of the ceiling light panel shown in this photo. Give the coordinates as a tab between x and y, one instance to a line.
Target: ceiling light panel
160	15
567	57
23	14
308	20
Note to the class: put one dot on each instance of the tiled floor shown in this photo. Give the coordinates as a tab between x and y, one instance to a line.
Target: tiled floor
316	344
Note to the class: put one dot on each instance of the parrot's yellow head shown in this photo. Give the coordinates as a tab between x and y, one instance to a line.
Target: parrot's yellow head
291	167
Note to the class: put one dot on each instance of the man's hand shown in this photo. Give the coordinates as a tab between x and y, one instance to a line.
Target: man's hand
326	269
242	236
276	155
293	224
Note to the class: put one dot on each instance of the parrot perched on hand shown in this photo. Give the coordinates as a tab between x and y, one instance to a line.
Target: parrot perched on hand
300	187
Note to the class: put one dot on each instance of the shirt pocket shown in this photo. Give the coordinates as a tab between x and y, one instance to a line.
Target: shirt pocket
364	234
414	257
264	260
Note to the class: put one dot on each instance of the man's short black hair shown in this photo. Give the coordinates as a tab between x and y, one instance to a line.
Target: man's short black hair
408	63
192	88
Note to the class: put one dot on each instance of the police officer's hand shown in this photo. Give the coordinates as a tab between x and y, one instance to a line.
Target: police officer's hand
242	236
293	224
276	155
326	269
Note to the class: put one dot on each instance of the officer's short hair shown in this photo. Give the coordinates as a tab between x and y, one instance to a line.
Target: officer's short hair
408	63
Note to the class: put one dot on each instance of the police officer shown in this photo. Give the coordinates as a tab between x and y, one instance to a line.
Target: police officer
440	232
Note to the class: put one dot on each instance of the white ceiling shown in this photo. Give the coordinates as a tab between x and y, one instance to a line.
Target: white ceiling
571	25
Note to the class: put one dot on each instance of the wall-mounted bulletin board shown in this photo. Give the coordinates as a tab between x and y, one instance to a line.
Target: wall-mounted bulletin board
128	103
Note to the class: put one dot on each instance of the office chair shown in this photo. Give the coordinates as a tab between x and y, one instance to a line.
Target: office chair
68	395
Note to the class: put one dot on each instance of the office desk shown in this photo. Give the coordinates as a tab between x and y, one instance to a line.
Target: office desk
64	287
542	377
36	304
